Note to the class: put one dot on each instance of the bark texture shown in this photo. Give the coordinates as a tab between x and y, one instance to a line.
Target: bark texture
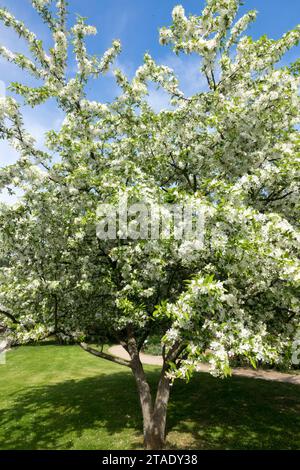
154	414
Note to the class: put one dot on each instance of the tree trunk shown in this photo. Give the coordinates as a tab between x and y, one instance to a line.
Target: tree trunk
143	389
154	417
156	436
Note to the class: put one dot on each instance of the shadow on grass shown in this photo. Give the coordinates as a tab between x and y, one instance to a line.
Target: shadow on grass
237	413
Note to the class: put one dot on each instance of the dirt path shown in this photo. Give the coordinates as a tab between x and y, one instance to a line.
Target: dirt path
119	351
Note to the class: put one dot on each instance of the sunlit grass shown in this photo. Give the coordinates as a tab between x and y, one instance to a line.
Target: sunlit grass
59	397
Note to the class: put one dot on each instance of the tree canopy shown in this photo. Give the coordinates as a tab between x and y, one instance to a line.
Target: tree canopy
233	150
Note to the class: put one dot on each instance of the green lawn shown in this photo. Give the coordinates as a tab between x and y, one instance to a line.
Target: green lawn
59	397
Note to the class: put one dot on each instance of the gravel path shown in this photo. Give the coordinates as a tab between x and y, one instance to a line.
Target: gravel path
119	351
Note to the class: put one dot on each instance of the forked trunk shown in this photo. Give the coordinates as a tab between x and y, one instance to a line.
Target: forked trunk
155	440
154	417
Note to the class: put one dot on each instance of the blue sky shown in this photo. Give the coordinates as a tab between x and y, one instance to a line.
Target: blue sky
136	23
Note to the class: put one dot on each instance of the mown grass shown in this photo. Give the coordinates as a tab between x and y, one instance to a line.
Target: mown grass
59	397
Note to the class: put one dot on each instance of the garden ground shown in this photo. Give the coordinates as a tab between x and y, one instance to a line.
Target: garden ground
292	377
59	397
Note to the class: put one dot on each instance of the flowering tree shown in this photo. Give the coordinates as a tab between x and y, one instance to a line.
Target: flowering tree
233	150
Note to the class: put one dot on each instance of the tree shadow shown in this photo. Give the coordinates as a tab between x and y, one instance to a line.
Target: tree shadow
207	413
235	413
38	417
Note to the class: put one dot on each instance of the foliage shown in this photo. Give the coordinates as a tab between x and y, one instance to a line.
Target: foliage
234	149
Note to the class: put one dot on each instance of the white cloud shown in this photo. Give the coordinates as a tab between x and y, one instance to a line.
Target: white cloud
8	155
187	69
10	198
158	99
37	122
120	23
191	80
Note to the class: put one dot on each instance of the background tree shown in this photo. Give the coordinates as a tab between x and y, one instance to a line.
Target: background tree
233	150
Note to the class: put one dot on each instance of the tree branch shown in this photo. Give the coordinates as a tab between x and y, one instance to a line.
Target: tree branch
175	352
108	357
8	313
276	197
